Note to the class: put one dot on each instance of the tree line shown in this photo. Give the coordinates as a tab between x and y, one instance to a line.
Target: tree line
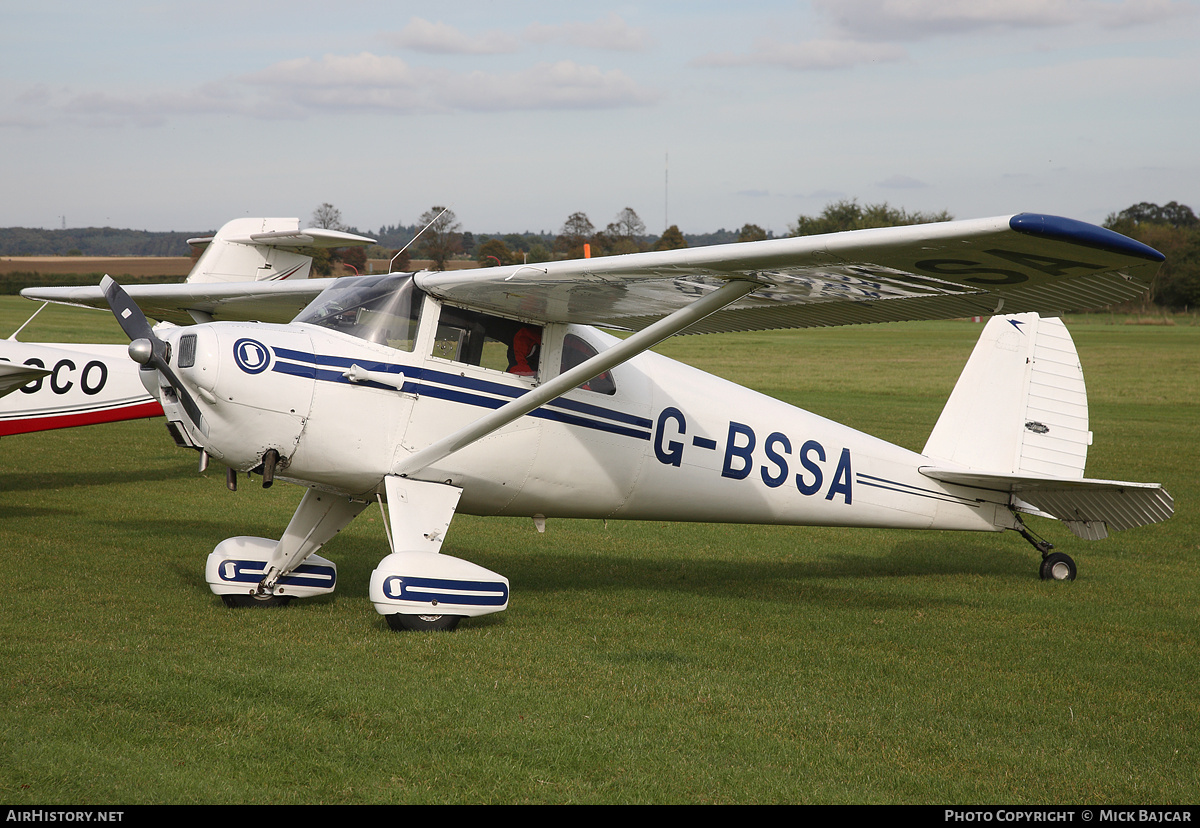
93	241
1173	230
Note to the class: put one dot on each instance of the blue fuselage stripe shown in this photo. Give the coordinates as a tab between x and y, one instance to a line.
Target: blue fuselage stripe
455	388
908	489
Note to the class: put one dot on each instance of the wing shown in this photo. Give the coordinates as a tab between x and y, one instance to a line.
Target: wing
184	304
1013	264
982	267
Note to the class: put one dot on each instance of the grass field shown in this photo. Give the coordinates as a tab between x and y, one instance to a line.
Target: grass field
639	662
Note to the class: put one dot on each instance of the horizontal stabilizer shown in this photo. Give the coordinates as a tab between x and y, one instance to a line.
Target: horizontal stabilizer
308	237
1089	507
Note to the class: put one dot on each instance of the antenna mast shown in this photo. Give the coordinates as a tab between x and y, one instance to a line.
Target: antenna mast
666	191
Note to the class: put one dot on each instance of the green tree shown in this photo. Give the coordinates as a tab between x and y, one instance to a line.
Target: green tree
849	215
328	217
443	238
751	232
401	260
322	260
494	253
354	257
576	231
623	234
1173	214
671	239
1173	230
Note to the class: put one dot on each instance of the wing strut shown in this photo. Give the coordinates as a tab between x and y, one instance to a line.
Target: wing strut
625	350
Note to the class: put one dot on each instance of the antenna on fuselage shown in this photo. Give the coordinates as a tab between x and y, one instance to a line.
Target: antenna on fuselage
414	238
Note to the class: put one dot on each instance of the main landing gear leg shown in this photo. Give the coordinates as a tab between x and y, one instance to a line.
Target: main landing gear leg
248	571
416	587
1056	566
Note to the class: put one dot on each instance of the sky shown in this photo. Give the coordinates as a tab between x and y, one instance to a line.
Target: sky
180	116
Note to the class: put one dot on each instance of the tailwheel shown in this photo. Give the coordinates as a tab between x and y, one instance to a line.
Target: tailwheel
1058	567
442	623
249	600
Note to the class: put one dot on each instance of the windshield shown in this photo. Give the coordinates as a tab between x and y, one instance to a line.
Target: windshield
382	309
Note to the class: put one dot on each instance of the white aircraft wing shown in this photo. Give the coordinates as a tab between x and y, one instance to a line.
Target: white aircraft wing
183	304
1012	264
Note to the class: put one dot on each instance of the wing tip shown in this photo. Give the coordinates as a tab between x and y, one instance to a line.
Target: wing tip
1082	233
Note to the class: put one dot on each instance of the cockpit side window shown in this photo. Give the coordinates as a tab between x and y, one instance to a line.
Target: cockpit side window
383	309
488	341
575	352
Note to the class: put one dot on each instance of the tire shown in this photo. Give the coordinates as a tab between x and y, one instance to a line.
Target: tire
1058	567
419	623
236	601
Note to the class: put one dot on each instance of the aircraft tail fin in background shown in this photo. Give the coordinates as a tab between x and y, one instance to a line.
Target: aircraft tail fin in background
1017	421
256	249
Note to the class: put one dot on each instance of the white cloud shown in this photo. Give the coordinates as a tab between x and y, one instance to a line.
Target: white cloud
857	32
363	69
364	82
372	82
421	35
610	33
894	20
810	55
561	85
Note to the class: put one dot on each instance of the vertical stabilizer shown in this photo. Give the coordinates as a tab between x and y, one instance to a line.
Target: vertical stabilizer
1020	405
233	255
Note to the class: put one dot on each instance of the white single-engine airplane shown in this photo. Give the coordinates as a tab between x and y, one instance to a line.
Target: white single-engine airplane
487	392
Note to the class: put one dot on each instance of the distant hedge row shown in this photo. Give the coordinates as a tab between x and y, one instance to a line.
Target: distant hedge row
93	241
15	282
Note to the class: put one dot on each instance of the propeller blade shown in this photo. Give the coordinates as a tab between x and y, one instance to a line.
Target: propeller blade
129	316
135	325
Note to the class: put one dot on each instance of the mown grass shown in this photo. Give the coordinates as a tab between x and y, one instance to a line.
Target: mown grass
639	662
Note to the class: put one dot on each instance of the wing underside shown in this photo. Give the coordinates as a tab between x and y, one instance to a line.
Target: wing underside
935	271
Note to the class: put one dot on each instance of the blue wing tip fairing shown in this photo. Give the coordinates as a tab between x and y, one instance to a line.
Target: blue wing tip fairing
1082	233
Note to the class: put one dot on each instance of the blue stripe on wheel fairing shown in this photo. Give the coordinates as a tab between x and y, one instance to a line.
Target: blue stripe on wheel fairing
447	591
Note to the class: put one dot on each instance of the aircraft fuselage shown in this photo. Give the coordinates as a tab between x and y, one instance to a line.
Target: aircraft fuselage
669	442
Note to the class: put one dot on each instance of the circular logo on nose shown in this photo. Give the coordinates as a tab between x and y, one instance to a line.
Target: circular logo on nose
251	356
